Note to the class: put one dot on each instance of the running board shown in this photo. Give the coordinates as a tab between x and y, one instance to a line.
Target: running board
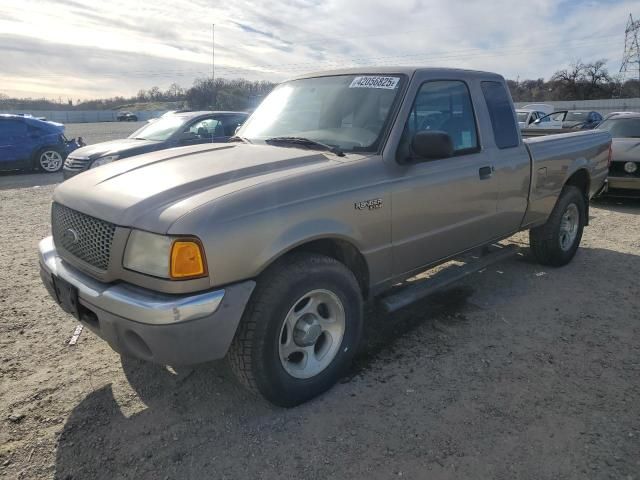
422	288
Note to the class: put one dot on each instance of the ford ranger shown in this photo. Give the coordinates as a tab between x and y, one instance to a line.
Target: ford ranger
339	186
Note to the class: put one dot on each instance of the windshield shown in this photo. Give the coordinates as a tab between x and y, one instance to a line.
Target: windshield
345	111
576	116
160	129
622	127
522	116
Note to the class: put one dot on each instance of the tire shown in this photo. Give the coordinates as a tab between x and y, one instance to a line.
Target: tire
555	243
49	160
272	355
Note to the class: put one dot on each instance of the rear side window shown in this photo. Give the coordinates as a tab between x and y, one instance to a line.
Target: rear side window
505	131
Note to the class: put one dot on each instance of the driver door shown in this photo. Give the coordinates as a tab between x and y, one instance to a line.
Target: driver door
445	206
552	121
207	130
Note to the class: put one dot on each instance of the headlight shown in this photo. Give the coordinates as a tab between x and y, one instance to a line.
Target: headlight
103	160
630	167
165	257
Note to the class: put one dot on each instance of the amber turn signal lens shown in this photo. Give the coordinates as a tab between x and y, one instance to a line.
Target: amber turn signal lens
187	259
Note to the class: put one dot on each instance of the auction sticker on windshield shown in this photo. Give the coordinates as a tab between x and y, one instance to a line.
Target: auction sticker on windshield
375	82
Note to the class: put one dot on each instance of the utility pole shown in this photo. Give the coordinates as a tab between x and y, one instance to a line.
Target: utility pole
213	64
631	55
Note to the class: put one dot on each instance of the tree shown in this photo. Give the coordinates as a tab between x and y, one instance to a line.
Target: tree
155	93
174	92
568	80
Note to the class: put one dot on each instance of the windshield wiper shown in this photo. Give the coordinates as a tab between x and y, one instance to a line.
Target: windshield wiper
307	142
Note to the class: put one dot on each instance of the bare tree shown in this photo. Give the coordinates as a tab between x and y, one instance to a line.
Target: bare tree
155	93
569	80
175	91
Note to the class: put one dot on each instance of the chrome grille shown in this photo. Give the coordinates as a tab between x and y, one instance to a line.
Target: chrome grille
73	163
83	236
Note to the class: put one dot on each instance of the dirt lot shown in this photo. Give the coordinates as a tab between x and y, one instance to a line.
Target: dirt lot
520	372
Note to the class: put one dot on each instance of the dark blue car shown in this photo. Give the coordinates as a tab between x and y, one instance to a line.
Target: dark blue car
26	142
171	130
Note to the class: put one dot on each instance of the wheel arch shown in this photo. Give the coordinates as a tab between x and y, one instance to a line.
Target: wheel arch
342	249
581	179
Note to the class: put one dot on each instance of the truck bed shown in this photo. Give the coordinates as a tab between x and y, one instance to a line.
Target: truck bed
555	158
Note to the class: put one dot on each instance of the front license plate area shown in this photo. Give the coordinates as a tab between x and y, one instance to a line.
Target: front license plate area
67	296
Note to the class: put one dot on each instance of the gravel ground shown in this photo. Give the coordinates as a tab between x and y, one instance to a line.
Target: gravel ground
102	131
518	372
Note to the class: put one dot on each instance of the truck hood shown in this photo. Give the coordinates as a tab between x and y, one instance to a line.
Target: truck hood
151	191
126	147
625	150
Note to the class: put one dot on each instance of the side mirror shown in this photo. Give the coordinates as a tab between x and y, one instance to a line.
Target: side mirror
537	122
432	145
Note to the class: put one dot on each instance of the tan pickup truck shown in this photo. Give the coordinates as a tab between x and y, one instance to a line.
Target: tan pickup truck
339	186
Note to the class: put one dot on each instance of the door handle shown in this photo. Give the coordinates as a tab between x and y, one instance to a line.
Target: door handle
485	172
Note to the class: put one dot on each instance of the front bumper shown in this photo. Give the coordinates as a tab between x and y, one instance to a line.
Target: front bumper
67	174
624	183
162	328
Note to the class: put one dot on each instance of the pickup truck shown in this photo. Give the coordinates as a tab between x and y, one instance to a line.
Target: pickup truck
340	185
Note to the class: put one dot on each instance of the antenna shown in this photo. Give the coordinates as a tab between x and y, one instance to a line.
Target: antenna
631	55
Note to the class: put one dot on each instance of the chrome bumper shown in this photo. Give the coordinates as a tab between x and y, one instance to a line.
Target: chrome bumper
171	329
628	183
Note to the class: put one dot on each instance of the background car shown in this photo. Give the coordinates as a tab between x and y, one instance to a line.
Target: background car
568	120
581	119
26	142
624	172
177	129
527	118
612	114
550	121
127	117
528	114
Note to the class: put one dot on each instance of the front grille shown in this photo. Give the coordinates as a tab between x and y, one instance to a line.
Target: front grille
83	236
617	170
72	163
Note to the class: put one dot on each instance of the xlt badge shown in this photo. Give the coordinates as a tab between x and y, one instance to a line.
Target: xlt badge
372	204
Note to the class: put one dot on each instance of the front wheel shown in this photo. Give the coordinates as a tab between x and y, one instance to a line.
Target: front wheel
49	160
300	331
555	243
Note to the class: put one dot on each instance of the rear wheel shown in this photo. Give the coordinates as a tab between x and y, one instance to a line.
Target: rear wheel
555	243
49	160
300	331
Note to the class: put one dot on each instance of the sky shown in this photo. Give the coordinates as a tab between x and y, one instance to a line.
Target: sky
79	49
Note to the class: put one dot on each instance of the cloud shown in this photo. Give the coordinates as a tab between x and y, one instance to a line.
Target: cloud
117	46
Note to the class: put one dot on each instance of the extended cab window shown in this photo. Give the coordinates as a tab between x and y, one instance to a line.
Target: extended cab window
503	122
444	106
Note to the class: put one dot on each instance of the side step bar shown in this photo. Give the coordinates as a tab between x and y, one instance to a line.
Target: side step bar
423	288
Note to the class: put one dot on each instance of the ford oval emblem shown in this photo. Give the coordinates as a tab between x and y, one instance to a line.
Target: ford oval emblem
70	236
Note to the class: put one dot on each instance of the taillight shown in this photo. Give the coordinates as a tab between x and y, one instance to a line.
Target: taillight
610	155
